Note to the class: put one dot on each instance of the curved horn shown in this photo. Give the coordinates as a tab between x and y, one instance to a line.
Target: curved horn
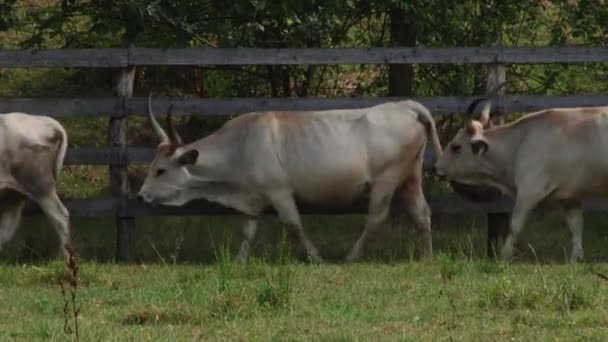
173	135
473	105
157	128
485	112
484	117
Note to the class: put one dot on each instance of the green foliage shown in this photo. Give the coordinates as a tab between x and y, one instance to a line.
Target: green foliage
7	14
289	23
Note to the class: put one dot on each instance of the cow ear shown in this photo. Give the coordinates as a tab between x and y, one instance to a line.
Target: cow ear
479	146
188	157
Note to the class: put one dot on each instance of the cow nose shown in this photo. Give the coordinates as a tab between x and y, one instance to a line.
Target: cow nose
438	171
140	197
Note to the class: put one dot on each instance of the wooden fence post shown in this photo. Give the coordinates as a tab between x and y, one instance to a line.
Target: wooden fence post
119	183
497	222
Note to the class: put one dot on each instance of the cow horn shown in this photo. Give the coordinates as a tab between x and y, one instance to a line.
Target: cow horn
157	128
173	135
484	118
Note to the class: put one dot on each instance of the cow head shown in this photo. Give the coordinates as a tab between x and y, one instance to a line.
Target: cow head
168	174
464	160
462	156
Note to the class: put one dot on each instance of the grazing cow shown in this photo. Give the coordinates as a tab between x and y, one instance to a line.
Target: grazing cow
554	157
32	149
278	159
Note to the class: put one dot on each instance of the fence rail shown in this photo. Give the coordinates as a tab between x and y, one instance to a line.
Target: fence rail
117	58
444	204
141	156
438	105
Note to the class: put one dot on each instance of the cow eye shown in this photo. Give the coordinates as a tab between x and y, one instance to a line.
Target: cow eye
159	172
456	148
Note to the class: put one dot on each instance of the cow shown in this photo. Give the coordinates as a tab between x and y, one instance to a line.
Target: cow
278	160
32	150
549	158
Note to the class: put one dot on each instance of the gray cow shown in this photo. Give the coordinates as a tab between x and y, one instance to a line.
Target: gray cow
278	159
554	157
32	149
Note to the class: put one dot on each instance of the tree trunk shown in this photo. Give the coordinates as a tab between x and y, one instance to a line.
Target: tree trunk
403	33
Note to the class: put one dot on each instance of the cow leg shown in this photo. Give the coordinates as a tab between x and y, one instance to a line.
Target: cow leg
285	206
522	209
249	230
574	219
59	216
420	214
10	221
379	205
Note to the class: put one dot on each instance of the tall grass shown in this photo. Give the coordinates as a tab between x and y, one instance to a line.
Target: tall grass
276	290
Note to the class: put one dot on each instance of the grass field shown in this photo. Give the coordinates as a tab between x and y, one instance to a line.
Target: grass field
186	286
441	300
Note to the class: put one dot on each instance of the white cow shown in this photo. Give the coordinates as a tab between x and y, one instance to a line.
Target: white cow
323	158
32	150
552	157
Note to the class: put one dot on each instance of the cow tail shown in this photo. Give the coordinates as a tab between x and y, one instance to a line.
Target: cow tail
425	117
63	147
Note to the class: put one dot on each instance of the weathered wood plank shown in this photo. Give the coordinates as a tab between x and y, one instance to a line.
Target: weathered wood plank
107	206
119	181
139	156
53	58
497	223
117	58
109	156
396	55
443	204
439	105
61	107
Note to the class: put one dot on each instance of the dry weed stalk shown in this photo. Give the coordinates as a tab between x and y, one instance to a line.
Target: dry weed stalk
70	306
603	276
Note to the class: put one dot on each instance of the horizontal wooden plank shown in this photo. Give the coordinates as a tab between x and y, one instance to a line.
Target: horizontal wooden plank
139	156
416	55
328	56
63	107
438	105
109	156
54	58
100	207
445	204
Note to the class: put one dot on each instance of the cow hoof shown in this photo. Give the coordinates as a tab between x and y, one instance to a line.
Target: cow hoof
576	258
351	258
241	259
427	256
315	259
506	254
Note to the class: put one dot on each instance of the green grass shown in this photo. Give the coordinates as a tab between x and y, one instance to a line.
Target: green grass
479	300
187	286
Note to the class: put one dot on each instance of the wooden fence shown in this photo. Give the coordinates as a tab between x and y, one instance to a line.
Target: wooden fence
118	156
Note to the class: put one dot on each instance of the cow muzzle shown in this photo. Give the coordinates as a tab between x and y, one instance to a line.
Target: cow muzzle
438	170
143	197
